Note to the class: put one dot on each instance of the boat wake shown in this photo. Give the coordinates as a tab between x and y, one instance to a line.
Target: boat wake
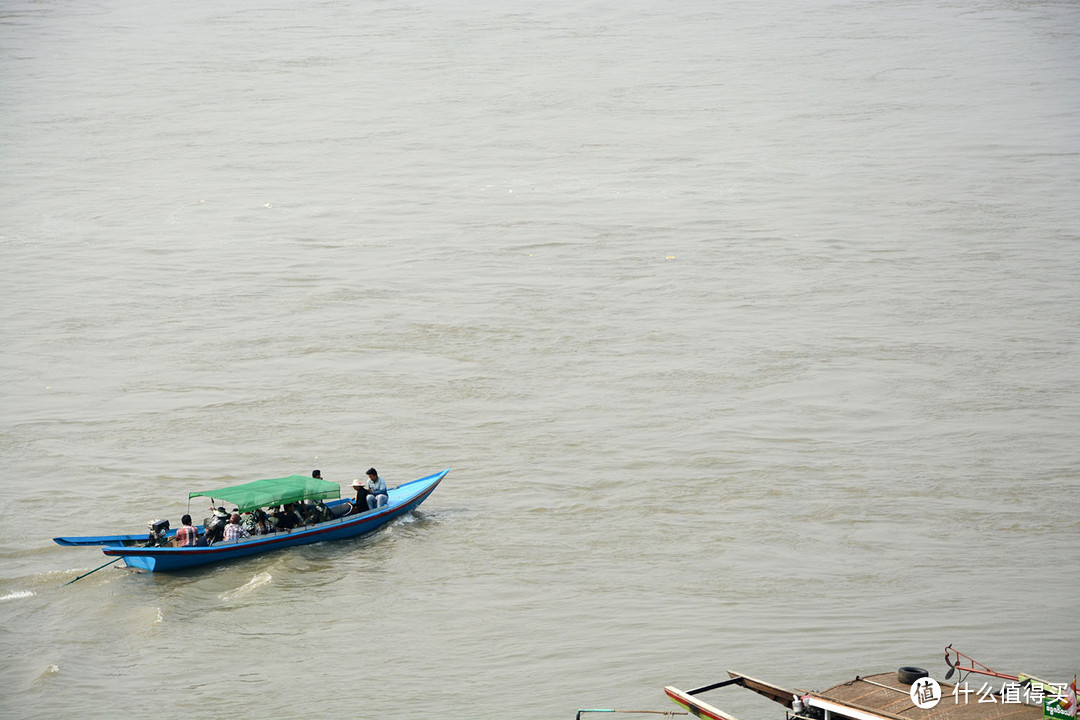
255	583
18	595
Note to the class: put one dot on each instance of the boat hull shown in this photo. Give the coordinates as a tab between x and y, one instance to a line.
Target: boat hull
401	500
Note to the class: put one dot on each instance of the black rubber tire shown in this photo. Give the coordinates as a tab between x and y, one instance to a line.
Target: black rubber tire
909	674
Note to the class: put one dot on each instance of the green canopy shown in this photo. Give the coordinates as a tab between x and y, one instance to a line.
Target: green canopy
275	491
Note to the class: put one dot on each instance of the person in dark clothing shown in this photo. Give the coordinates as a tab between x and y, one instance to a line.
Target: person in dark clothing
360	504
287	518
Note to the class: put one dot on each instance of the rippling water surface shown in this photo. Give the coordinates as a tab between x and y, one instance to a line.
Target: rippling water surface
750	332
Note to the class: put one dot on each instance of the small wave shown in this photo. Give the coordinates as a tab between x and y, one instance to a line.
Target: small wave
49	671
256	582
18	595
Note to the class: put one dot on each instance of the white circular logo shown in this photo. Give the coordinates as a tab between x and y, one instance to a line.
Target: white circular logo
925	692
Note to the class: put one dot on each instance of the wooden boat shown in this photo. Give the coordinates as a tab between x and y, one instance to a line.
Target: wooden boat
146	552
893	696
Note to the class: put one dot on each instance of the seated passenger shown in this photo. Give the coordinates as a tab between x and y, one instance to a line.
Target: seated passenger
287	519
215	525
233	531
255	522
360	503
272	519
319	512
186	535
376	486
262	523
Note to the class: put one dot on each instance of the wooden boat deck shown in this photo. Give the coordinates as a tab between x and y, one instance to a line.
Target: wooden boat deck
885	696
892	695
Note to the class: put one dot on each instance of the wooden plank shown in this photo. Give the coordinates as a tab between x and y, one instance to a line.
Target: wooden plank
774	692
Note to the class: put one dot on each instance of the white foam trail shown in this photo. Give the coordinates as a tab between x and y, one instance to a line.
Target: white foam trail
256	582
18	595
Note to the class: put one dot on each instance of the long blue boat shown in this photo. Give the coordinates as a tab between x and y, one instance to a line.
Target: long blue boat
143	551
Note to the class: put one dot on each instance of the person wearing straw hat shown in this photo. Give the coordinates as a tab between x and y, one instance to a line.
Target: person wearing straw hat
360	504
